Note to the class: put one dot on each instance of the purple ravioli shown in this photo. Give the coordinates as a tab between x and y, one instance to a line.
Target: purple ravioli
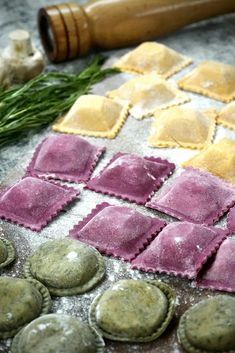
231	220
116	230
65	157
195	196
131	177
33	202
219	272
181	248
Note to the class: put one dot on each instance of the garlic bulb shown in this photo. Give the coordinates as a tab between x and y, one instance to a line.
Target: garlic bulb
23	60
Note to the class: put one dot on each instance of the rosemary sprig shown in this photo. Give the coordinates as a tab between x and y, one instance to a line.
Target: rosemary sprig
44	98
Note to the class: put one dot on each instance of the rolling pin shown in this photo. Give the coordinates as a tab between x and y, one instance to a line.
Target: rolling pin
69	30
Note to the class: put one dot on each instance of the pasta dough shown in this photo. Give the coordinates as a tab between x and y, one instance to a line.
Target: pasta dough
182	127
218	159
148	94
130	230
133	310
195	196
64	157
7	253
57	333
209	326
212	79
181	248
227	116
131	177
151	57
32	202
219	272
66	267
93	115
21	301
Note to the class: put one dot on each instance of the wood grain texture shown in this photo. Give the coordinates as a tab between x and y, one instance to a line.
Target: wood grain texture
71	30
56	43
112	24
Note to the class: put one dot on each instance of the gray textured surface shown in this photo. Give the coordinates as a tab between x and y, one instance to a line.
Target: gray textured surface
212	39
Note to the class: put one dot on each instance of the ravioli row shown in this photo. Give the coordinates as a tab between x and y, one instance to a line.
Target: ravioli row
179	248
195	195
150	95
129	311
69	267
71	158
182	127
182	249
210	78
202	328
99	116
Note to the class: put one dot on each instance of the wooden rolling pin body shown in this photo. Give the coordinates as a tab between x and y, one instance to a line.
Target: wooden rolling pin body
112	24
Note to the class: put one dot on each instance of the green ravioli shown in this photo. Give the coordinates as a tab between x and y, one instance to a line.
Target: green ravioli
133	310
66	267
55	333
7	253
209	326
21	301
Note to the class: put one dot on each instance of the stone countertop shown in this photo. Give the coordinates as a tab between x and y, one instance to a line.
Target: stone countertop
213	39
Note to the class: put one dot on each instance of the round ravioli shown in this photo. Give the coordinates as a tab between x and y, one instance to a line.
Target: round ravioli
66	267
58	334
21	301
7	253
209	326
133	310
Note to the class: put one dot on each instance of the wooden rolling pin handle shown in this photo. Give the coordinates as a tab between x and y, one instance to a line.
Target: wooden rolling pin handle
69	30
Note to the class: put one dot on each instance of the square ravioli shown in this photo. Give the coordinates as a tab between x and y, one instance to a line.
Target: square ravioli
195	196
131	177
147	94
152	57
227	116
212	79
117	230
93	115
64	157
182	127
181	248
219	272
33	202
218	159
231	220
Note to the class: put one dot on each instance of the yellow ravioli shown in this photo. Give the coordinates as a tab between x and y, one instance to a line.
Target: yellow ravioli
218	159
182	127
151	57
227	116
93	115
148	94
212	79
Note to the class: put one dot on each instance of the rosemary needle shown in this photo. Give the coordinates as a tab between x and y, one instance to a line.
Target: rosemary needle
44	98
